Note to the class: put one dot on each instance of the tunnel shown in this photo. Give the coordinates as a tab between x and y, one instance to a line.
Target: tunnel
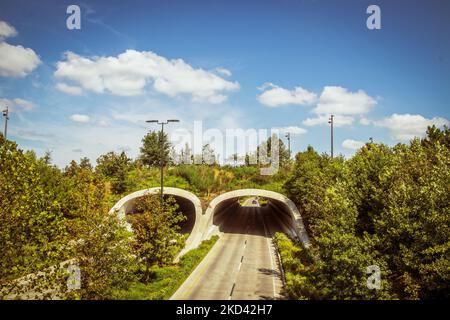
226	214
244	263
189	204
202	225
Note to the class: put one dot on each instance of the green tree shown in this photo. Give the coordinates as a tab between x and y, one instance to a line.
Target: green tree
151	153
208	155
247	160
413	227
312	175
385	206
85	163
265	148
115	168
48	218
100	242
104	255
365	187
156	231
33	233
436	135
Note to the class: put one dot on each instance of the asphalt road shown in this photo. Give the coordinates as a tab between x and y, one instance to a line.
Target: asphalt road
243	264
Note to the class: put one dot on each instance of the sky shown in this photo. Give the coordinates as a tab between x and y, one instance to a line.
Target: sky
229	64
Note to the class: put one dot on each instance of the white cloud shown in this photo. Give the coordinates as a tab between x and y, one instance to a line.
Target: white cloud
81	118
352	144
73	90
17	61
277	96
7	30
404	127
224	71
17	104
103	123
345	105
129	73
338	100
365	122
108	131
292	130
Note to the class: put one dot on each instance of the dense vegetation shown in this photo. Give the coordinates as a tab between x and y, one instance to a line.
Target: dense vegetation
385	206
50	215
165	280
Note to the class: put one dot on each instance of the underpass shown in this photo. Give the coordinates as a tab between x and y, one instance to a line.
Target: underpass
243	264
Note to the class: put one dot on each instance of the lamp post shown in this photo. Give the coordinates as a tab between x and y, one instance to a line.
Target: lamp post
6	115
288	136
161	160
331	122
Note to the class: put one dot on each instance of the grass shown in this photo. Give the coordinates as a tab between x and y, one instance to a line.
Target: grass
166	280
204	180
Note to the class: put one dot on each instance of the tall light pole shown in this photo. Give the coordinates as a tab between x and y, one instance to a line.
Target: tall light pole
6	115
288	136
331	122
161	160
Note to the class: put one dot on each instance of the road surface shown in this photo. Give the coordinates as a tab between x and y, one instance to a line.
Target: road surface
243	263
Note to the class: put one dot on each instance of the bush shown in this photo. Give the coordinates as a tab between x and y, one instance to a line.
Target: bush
156	231
33	232
166	280
388	207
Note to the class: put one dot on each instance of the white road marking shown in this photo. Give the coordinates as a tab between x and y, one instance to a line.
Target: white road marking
270	255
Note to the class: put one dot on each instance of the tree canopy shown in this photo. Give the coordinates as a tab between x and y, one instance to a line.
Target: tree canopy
385	206
155	146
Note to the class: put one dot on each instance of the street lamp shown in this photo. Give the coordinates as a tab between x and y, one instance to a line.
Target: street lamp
6	115
331	122
161	161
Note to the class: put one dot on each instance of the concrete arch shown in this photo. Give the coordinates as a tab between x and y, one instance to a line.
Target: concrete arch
279	202
187	201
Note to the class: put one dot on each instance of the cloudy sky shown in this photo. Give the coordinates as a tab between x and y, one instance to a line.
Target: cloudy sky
247	64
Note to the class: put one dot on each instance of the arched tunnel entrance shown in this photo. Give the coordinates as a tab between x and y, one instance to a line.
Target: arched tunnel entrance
244	264
226	213
189	204
280	213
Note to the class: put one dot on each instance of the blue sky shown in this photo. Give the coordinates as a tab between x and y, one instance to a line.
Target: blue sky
243	64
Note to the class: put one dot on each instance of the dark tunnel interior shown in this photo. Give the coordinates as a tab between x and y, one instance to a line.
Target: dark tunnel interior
185	206
270	217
